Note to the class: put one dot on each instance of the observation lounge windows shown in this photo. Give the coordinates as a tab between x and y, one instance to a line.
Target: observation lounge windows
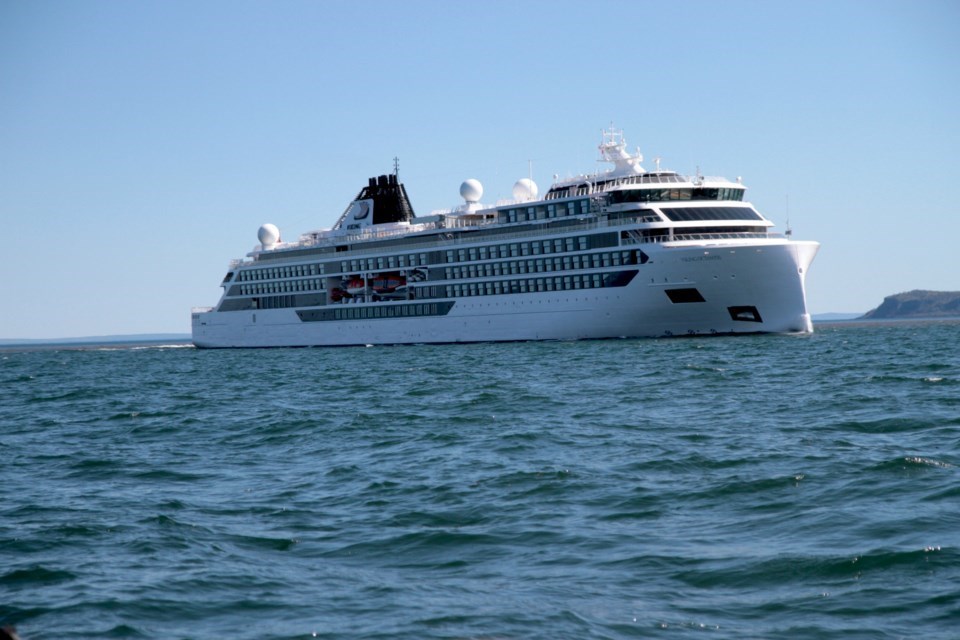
692	214
667	195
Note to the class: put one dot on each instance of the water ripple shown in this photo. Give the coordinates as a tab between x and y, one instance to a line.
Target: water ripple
779	486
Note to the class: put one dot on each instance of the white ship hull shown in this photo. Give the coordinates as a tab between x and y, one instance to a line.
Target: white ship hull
750	286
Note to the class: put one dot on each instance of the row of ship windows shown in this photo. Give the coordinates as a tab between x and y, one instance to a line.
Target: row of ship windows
535	248
487	252
545	212
382	311
533	285
281	287
540	265
666	195
691	214
510	250
293	271
385	262
351	266
274	302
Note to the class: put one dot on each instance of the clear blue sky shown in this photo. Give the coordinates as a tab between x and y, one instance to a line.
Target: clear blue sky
142	144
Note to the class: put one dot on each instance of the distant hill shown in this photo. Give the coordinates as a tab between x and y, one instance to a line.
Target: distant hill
917	304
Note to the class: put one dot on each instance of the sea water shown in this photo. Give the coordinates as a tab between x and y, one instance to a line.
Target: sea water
753	487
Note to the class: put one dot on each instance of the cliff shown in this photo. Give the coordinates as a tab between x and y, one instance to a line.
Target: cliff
917	304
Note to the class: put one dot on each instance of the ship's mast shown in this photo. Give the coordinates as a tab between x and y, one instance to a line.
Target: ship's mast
614	149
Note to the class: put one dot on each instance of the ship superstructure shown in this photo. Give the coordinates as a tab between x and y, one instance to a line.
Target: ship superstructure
622	253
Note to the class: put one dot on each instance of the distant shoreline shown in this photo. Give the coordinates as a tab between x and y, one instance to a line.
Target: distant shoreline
878	322
94	342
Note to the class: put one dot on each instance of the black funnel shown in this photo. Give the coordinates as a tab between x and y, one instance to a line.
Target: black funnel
390	201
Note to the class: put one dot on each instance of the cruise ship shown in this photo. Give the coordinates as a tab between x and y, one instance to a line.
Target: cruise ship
624	252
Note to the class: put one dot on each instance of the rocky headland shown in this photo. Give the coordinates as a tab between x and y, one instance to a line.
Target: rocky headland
917	304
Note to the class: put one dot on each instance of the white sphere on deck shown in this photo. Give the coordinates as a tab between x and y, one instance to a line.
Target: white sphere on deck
268	235
525	189
471	190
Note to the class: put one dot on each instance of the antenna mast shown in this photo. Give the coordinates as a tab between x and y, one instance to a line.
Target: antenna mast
788	231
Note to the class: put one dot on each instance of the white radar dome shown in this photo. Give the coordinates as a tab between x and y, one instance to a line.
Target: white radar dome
525	189
471	190
268	235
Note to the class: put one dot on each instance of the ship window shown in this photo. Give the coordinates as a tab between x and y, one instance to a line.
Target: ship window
687	214
678	296
744	314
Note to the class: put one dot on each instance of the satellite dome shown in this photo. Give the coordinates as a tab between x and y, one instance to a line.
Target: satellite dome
471	190
268	235
525	189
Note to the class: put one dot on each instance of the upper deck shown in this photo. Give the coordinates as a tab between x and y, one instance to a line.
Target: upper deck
625	194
